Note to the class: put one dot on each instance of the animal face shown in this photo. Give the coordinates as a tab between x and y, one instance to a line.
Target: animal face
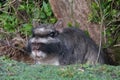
43	44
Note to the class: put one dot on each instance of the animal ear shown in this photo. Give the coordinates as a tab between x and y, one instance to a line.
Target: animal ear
59	25
35	23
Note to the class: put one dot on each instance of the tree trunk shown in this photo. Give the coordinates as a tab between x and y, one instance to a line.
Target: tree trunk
76	12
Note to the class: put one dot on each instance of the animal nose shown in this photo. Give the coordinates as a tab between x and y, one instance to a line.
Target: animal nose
36	47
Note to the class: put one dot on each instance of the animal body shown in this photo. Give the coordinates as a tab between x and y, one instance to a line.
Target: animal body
51	45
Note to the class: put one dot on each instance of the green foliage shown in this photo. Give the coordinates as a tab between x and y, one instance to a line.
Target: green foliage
26	29
17	16
46	13
69	24
12	70
8	22
107	13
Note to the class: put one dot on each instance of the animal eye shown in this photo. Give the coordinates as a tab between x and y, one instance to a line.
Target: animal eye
52	34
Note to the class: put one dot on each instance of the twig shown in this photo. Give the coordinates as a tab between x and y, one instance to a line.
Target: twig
117	45
7	33
18	48
102	19
8	42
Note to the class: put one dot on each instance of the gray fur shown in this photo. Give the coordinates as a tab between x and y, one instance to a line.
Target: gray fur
69	46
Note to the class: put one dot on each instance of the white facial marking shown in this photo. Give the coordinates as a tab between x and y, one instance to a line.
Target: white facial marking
38	40
40	29
38	54
41	58
43	40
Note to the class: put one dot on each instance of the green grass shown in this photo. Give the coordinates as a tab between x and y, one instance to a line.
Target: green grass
12	70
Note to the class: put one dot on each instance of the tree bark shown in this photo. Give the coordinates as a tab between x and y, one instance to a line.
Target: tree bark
76	12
